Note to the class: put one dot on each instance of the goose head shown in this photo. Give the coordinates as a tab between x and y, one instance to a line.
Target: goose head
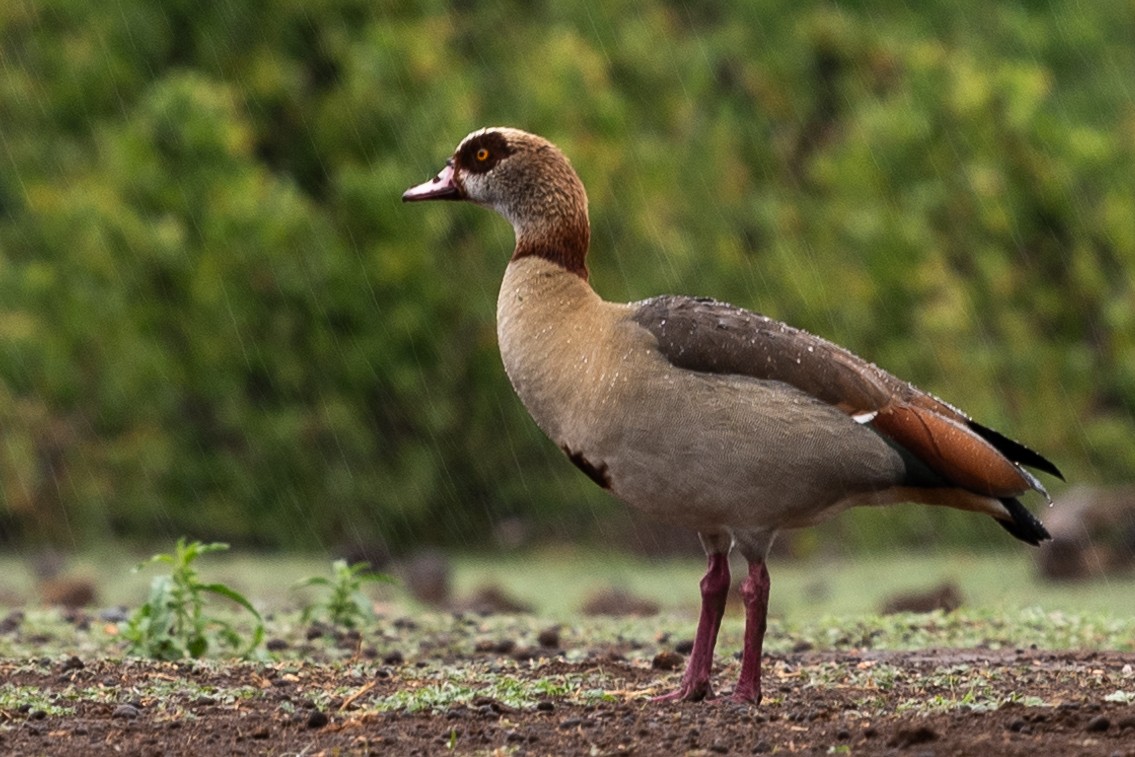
527	180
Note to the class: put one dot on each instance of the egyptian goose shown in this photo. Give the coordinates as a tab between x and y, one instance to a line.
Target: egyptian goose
706	415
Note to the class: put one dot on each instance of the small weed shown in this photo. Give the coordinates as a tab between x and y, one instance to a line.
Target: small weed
509	690
173	624
29	699
345	605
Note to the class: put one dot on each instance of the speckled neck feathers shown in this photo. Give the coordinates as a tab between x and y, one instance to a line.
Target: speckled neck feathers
560	230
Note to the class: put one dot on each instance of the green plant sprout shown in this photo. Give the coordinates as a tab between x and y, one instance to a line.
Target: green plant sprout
345	605
173	623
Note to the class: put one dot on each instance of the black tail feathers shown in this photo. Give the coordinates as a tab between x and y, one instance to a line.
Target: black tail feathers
1024	525
1015	451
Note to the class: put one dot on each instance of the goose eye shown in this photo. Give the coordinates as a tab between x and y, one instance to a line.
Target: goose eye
482	155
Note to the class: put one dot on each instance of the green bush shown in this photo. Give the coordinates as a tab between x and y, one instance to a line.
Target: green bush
217	319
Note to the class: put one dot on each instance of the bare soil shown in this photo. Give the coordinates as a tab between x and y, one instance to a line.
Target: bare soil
983	702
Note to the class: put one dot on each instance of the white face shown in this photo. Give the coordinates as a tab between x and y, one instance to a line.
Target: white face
515	173
482	168
471	173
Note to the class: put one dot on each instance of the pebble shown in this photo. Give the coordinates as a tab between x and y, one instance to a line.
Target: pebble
127	711
1098	724
906	737
549	638
317	719
667	660
72	663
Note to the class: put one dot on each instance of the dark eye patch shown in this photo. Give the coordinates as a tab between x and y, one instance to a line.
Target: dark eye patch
496	145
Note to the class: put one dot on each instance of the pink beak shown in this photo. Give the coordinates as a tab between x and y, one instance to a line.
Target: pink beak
440	187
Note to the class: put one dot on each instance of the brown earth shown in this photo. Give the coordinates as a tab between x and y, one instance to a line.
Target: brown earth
982	702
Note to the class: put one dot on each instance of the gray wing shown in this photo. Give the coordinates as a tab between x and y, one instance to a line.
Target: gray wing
713	337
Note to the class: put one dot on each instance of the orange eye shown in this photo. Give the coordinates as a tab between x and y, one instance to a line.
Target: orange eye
482	155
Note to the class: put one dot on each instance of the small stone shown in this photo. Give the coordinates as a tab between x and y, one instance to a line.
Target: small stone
11	621
127	711
1098	724
545	706
549	638
524	654
667	660
113	614
317	719
906	737
72	663
570	722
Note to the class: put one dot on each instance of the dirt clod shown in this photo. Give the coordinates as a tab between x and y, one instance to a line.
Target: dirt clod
667	660
618	603
907	737
549	638
1098	724
127	711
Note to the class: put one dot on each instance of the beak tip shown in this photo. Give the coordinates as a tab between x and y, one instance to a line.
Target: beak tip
441	187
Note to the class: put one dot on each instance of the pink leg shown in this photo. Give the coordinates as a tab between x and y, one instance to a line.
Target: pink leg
754	591
714	590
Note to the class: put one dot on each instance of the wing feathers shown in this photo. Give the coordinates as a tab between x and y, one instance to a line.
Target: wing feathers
705	335
952	450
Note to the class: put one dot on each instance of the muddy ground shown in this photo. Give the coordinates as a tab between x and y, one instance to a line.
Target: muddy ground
972	702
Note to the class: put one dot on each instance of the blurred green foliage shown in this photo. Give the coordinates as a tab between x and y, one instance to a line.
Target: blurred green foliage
217	319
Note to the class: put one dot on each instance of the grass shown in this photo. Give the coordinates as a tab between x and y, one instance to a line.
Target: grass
447	671
820	606
817	604
557	582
